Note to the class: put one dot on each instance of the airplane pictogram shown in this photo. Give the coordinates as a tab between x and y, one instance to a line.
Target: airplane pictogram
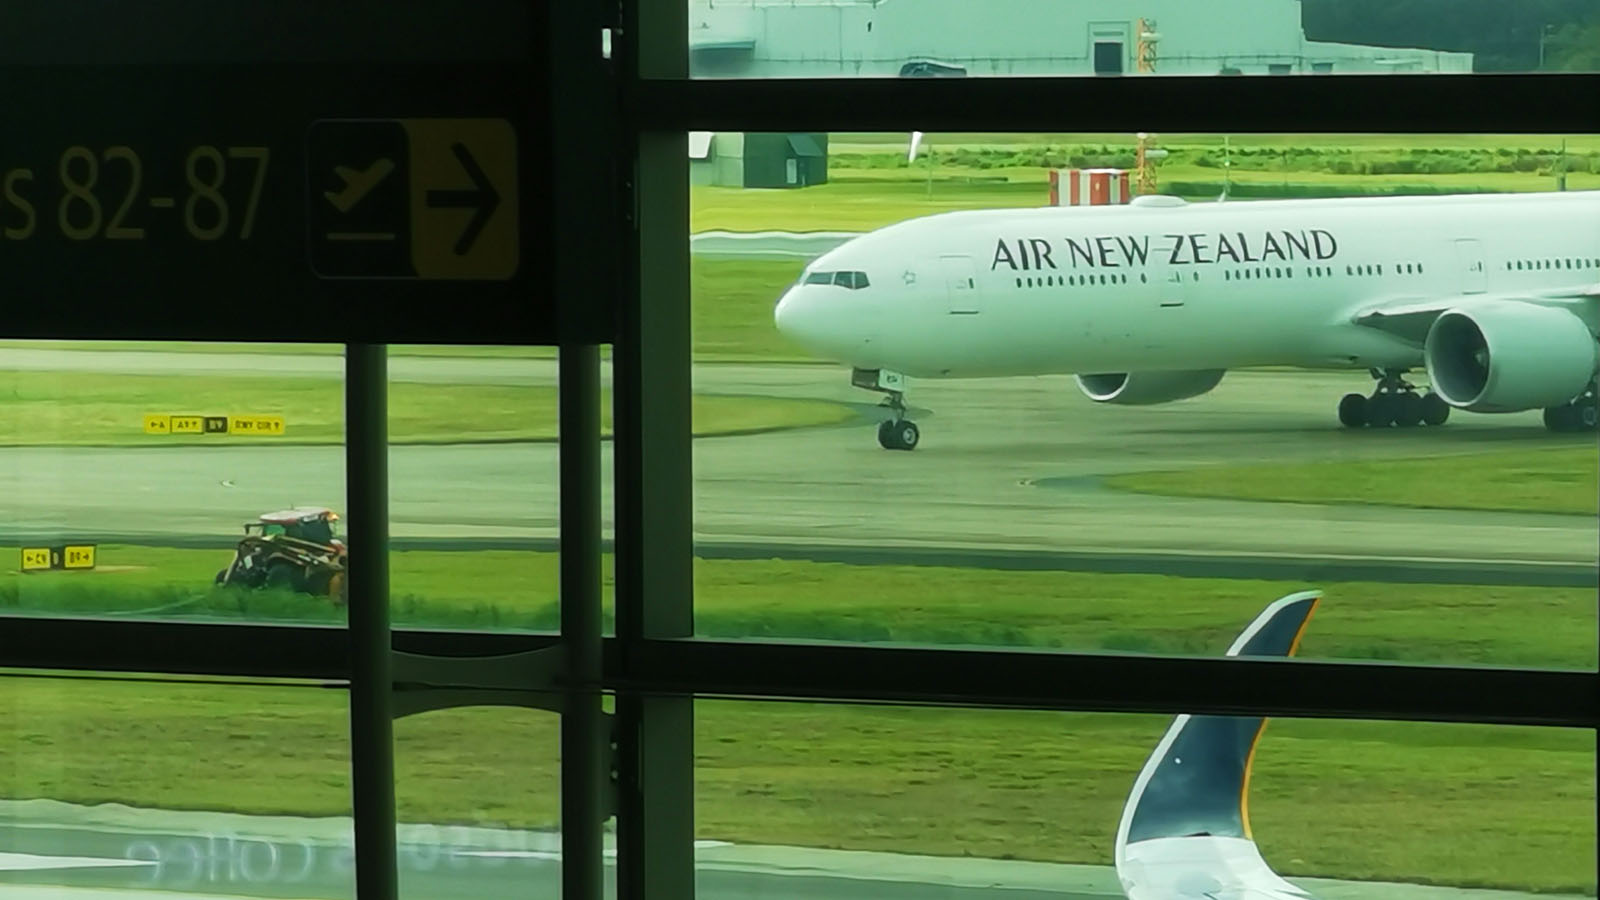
358	183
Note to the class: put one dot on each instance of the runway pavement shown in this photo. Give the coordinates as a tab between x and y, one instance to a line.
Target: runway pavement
1005	464
1006	467
64	852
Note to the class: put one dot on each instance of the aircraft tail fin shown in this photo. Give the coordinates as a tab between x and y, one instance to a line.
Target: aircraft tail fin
1187	821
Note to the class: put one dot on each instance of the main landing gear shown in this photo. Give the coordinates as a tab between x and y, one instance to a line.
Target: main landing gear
1394	401
899	432
1579	415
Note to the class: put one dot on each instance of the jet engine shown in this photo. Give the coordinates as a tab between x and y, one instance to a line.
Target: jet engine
1508	356
1146	388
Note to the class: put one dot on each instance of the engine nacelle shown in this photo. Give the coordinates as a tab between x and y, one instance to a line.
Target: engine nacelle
1146	388
1508	356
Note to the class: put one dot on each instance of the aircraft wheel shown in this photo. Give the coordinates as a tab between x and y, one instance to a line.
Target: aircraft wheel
907	435
1434	410
1353	411
901	435
887	436
1381	410
1585	416
1561	418
1408	410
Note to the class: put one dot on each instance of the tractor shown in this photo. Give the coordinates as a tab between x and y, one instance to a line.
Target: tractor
293	548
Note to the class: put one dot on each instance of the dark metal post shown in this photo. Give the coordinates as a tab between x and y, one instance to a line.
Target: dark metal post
654	465
366	391
585	753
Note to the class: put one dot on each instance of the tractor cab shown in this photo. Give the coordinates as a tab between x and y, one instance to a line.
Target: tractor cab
295	548
317	525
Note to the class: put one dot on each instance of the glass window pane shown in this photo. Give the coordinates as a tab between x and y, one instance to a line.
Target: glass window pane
1136	463
206	481
133	789
951	38
478	800
905	802
474	477
173	479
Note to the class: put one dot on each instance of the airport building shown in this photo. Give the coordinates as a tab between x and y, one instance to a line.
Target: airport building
856	38
758	160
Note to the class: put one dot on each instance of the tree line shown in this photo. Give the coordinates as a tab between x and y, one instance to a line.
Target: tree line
1504	36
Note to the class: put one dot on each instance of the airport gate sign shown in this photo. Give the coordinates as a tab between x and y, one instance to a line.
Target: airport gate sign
390	202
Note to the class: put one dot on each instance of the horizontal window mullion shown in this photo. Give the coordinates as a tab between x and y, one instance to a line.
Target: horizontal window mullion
223	649
1092	682
1327	104
1029	679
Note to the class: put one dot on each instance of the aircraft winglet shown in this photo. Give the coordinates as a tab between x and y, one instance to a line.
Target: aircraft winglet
1185	831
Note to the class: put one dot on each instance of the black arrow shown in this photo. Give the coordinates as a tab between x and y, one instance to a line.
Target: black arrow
482	198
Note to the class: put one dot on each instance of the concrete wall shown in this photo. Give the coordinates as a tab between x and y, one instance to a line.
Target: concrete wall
832	38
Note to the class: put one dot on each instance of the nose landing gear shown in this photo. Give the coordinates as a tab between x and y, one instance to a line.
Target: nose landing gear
898	433
1394	401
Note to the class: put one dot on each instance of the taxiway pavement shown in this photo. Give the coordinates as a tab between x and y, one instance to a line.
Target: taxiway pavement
1006	466
66	852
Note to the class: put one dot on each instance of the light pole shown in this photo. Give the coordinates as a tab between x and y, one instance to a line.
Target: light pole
1544	32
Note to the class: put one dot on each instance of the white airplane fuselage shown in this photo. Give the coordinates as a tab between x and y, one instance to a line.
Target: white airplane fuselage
1161	285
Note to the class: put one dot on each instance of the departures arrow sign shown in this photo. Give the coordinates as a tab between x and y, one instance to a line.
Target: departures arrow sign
482	198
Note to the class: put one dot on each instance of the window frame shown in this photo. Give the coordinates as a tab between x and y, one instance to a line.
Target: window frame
654	667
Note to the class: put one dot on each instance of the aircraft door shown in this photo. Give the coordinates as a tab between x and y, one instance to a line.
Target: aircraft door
1469	262
961	281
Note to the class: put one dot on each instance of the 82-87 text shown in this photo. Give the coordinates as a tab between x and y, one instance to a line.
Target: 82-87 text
101	195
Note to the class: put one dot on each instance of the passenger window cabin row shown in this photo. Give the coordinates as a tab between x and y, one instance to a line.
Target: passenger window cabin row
1075	280
1542	265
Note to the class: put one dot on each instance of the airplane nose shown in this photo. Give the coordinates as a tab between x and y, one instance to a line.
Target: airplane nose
791	316
820	323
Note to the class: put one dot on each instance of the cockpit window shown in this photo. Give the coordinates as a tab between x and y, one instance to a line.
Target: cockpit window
851	280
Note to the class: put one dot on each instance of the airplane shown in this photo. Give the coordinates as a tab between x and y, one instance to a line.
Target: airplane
1185	829
1496	296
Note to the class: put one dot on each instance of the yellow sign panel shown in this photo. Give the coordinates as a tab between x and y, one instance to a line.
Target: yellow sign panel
262	425
464	215
79	556
35	558
266	426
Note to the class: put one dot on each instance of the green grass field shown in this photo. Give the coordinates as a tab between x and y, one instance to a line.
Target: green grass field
1404	801
892	141
732	303
872	185
1449	804
1550	481
77	408
1510	626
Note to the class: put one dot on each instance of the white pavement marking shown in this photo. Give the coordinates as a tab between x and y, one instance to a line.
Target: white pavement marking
609	852
28	862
